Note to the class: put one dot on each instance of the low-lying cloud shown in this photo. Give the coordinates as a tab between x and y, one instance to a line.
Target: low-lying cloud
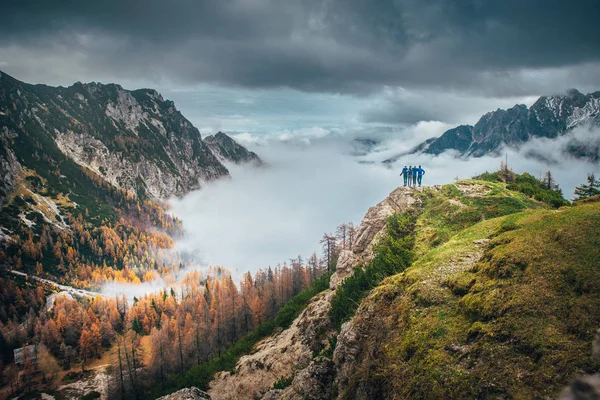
263	216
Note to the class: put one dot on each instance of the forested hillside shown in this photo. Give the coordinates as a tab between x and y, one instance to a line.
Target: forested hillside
85	169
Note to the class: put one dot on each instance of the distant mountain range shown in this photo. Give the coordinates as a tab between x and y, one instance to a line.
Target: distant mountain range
135	140
549	117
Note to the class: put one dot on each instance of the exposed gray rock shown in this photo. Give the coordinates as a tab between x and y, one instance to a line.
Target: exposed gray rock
135	140
370	229
344	267
315	382
9	168
274	394
349	349
192	393
227	149
279	355
583	388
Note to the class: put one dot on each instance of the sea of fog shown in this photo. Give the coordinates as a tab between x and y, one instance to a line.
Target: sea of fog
314	180
265	216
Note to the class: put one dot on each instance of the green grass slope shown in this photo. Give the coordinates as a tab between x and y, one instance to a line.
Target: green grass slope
502	300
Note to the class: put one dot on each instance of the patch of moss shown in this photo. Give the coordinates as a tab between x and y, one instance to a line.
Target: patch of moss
447	211
283	383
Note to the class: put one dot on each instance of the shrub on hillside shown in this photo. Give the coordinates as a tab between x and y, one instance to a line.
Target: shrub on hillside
531	186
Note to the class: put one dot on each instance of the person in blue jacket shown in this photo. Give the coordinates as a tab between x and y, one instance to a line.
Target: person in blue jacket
414	175
410	175
404	174
420	173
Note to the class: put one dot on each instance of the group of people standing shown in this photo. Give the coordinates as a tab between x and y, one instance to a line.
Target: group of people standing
412	175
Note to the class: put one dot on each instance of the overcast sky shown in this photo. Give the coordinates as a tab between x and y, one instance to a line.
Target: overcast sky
267	66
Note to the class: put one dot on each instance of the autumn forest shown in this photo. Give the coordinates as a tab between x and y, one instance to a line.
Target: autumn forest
149	340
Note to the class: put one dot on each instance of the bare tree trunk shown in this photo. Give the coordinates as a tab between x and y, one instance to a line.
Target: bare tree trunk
121	371
180	348
197	340
233	314
130	369
219	329
162	361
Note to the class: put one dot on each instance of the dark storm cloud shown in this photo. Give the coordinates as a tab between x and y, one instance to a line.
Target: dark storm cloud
314	45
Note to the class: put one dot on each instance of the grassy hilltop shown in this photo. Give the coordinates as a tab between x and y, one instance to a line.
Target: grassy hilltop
501	299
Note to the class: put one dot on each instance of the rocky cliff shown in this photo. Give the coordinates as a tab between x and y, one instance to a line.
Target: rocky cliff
497	304
135	140
9	166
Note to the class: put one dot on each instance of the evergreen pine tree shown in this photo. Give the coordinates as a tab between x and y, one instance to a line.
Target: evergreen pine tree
592	188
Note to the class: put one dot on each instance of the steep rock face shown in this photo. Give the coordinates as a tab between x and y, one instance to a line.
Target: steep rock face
138	175
500	127
9	166
135	140
548	117
372	226
459	139
277	356
227	149
315	382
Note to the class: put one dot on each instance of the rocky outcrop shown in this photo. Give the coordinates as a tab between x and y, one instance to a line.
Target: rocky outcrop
227	149
9	167
278	356
350	352
151	176
315	382
372	226
192	393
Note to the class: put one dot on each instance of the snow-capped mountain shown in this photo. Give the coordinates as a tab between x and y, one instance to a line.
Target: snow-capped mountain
549	117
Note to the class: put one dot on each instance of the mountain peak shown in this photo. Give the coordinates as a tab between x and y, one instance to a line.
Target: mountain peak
549	117
574	93
133	140
227	149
